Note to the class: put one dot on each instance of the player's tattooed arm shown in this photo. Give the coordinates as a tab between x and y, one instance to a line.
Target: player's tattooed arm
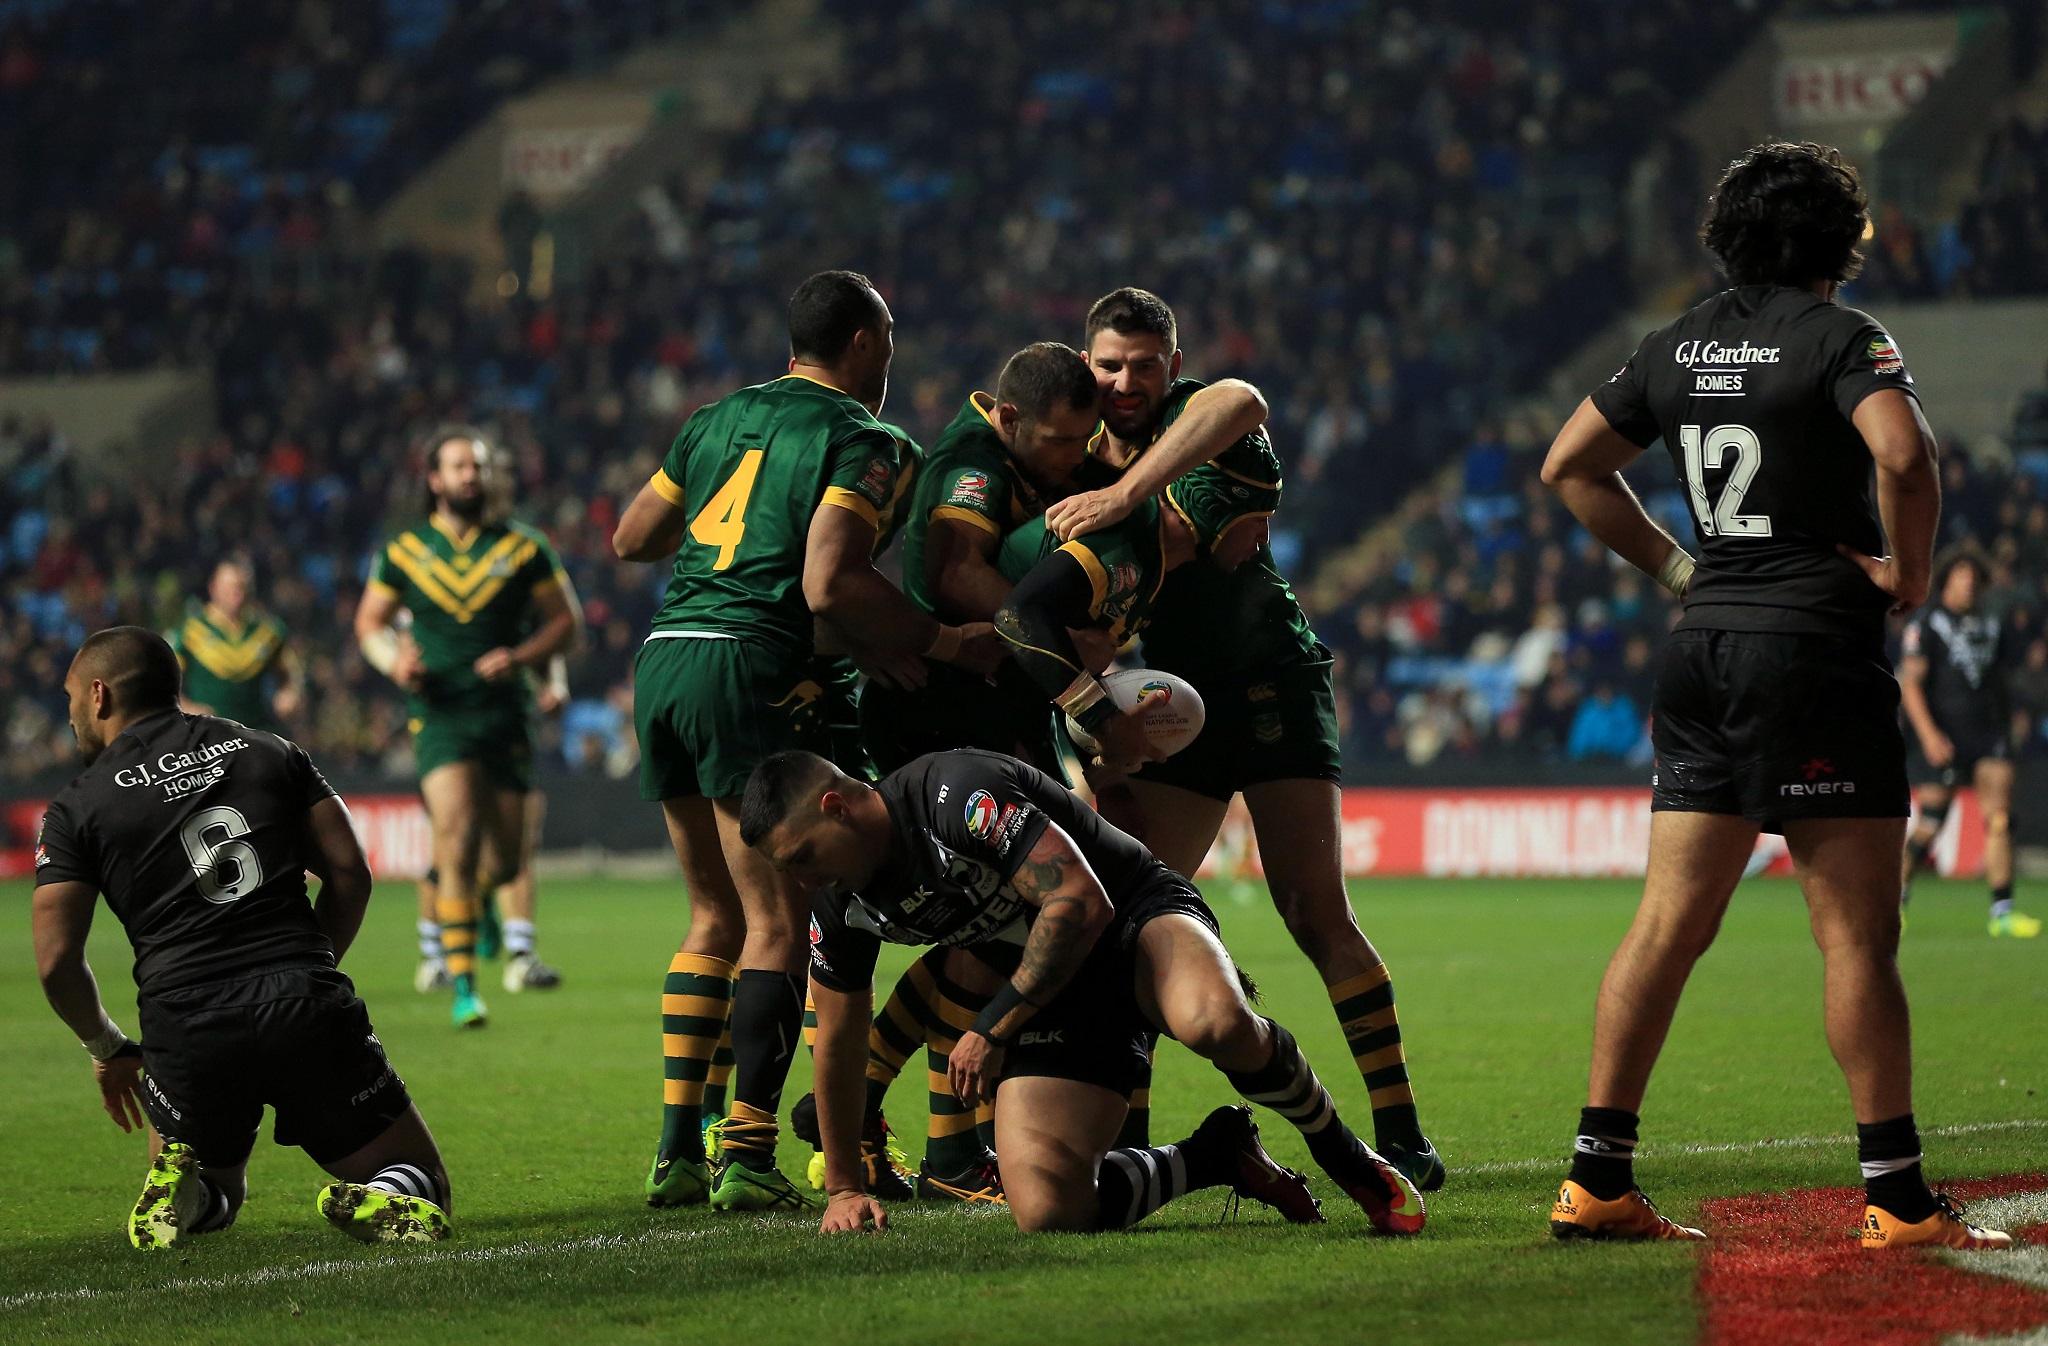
1073	911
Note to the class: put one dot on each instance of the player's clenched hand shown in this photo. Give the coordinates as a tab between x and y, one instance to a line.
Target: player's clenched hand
981	649
120	1080
851	1212
1087	512
1908	592
1939	750
409	670
975	1065
492	665
287	702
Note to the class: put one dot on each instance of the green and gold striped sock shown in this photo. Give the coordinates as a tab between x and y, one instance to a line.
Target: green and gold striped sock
695	999
1372	1029
720	1074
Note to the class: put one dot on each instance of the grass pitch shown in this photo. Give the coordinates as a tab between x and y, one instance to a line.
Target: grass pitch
547	1120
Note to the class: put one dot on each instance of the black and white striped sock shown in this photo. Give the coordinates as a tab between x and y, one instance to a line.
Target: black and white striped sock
406	1180
1288	1085
1133	1183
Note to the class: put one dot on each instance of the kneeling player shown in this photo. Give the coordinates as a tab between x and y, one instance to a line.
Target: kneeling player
200	832
973	849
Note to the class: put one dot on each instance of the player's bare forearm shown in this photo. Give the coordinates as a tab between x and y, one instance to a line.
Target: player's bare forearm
61	918
336	856
960	569
650	529
840	1062
1908	493
1611	512
555	635
1214	419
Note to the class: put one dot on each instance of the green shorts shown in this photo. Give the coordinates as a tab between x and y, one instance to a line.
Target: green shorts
707	711
500	739
1277	725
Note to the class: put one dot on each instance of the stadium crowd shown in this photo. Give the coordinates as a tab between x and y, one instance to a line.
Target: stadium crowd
1421	234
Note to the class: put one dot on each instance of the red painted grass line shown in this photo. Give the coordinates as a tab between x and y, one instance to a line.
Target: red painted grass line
1784	1267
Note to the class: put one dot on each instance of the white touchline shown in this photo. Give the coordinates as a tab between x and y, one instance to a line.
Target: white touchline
1562	1159
402	1261
1981	1211
2028	1266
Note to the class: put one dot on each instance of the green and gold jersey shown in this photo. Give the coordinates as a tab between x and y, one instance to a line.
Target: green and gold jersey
1126	563
969	478
750	470
227	663
1208	623
468	594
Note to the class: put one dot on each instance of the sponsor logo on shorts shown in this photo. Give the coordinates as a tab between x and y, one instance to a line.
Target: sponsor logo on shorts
1261	691
389	1076
982	814
160	1096
1050	1038
1267	728
1814	769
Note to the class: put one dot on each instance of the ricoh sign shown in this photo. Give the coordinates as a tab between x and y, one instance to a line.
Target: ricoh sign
1861	87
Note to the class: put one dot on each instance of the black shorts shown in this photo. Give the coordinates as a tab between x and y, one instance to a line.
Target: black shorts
300	1041
1275	725
1094	1030
1776	727
1973	743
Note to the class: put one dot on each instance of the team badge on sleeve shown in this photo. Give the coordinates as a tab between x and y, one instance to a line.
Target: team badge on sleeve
1884	355
874	483
969	488
982	814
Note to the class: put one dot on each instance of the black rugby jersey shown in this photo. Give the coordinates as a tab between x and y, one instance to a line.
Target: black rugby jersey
964	822
1965	681
195	830
1752	393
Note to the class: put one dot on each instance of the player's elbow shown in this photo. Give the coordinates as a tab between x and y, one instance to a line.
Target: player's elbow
1556	469
628	543
1247	404
1908	457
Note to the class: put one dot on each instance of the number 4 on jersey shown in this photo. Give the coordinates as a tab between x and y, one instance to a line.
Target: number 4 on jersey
723	520
1702	455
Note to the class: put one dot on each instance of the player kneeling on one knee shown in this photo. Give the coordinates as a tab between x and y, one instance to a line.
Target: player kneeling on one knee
974	849
200	832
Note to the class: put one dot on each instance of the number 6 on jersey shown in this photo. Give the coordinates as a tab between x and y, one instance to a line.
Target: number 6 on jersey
1703	456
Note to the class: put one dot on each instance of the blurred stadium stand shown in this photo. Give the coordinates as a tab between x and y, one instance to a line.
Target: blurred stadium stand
246	261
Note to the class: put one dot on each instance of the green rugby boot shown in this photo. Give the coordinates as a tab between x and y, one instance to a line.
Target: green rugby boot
174	1199
373	1215
678	1181
468	1010
1422	1166
738	1187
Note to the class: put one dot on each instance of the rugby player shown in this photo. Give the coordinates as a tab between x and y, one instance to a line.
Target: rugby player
1101	946
488	602
771	502
200	832
994	467
232	650
1952	682
1241	638
1775	708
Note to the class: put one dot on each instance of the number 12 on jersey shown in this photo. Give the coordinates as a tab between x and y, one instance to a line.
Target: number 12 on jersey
722	523
1708	453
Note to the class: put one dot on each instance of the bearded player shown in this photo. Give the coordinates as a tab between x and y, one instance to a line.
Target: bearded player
1240	637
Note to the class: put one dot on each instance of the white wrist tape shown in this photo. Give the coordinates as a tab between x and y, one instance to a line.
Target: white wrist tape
1082	693
1676	572
109	1040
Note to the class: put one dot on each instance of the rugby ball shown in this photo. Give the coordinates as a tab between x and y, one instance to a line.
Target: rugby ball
1173	708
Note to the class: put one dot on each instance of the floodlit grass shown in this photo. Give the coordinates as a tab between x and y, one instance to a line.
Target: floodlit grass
548	1120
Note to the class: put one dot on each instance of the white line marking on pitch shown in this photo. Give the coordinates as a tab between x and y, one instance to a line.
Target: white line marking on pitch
1562	1158
2028	1266
405	1261
536	1248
